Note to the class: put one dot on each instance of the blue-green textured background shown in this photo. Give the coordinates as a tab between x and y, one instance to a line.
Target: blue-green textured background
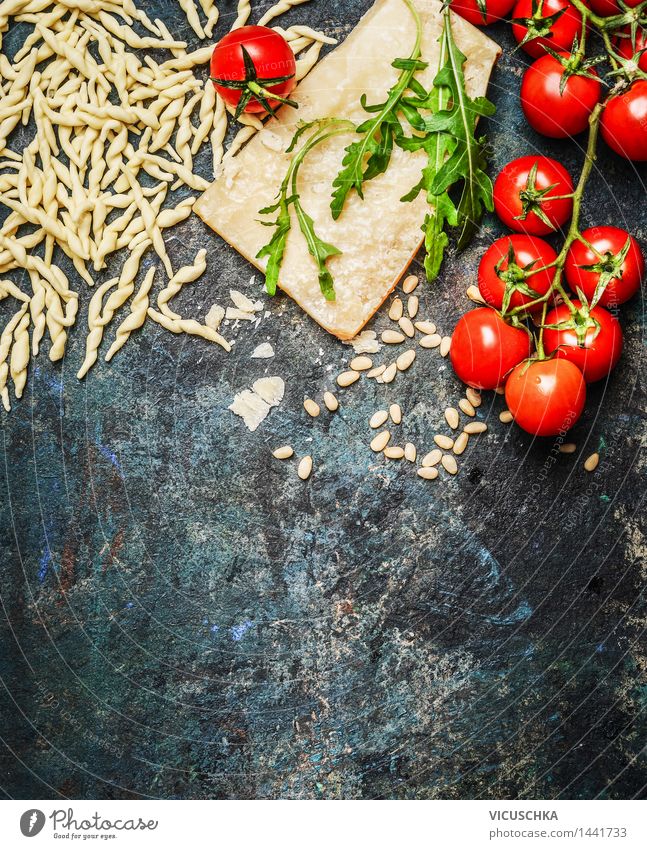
181	617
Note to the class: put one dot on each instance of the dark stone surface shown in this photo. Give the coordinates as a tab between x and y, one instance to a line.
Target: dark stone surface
183	618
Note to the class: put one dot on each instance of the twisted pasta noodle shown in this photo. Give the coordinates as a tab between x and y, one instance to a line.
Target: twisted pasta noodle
278	9
137	317
185	133
190	10
207	104
243	12
218	133
96	331
187	274
190	326
212	13
168	120
9	289
37	312
190	60
20	355
149	218
6	338
306	63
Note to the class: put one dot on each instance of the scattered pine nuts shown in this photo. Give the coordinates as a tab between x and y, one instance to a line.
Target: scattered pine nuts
283	453
473	397
378	418
444	442
410	284
433	458
591	463
568	448
433	340
505	417
406	326
389	373
311	407
428	473
413	304
361	364
379	442
394	453
392	337
426	327
461	442
410	452
452	418
305	468
347	378
474	294
405	361
500	390
445	345
449	464
395	411
330	401
466	407
475	427
376	372
396	310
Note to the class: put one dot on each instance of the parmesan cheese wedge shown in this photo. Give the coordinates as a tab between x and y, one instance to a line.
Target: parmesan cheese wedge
378	236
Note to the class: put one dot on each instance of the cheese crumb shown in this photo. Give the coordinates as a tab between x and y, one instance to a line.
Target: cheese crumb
365	343
214	317
263	352
271	389
250	407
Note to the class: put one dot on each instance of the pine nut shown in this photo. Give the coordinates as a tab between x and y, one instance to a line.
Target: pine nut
591	463
500	390
410	452
452	418
444	442
431	341
389	374
433	458
413	304
394	453
405	361
392	337
305	468
475	427
283	453
428	473
474	294
445	345
395	412
461	442
361	364
347	378
378	419
376	372
568	448
379	442
426	327
406	326
311	407
396	310
331	402
410	284
473	397
466	407
505	417
449	464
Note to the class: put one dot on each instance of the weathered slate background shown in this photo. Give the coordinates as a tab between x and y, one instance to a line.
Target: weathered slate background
183	618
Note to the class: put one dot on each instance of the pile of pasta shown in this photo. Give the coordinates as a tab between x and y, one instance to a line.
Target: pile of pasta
96	137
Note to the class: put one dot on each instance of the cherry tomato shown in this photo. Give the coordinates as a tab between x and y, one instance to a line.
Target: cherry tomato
507	276
621	270
247	84
484	348
606	8
628	49
554	107
546	397
556	23
523	191
591	340
624	122
470	10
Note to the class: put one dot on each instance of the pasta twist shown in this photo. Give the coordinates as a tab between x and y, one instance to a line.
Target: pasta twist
188	274
137	317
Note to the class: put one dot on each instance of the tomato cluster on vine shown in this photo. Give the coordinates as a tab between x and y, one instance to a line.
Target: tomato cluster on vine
548	327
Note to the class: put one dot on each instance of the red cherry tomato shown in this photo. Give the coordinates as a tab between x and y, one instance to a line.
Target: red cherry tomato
595	350
271	59
622	272
505	284
495	10
555	108
606	8
523	191
484	348
624	122
546	397
628	49
556	24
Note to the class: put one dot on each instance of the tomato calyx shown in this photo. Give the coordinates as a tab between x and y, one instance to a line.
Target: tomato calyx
580	321
575	64
538	25
514	277
609	267
254	87
531	198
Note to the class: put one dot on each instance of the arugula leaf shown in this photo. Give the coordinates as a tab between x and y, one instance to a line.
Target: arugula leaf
275	248
319	250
